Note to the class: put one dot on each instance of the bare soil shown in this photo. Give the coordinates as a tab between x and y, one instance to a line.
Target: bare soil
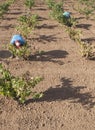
68	86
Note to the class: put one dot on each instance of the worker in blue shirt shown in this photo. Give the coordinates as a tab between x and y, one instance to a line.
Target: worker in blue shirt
66	14
67	18
17	40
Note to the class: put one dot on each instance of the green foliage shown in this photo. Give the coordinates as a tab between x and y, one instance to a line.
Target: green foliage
29	20
11	1
70	22
30	3
86	7
23	19
26	24
57	11
22	52
87	2
57	14
50	3
73	33
24	30
18	88
4	8
87	12
87	50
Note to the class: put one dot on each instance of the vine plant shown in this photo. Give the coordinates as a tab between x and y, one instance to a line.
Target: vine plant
29	4
4	8
19	88
22	52
27	23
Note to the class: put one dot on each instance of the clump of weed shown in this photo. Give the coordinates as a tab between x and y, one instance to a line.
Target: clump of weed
73	33
29	3
26	24
4	8
50	3
57	11
18	88
87	50
86	7
21	52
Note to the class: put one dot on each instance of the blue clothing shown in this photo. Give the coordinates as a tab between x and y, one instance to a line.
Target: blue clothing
66	14
19	38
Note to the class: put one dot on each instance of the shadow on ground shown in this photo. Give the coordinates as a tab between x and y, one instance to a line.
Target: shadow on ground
50	56
41	18
66	91
41	9
5	54
15	13
89	40
79	18
85	26
45	26
7	26
46	38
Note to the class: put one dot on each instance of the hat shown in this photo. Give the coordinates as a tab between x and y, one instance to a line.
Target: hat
66	14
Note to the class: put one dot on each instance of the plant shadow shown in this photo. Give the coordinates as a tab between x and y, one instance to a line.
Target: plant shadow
7	18
12	15
15	13
65	91
41	9
51	56
79	18
85	26
46	38
89	40
5	54
7	26
41	18
45	26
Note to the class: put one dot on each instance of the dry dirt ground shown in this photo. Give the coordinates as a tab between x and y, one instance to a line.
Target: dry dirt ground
68	85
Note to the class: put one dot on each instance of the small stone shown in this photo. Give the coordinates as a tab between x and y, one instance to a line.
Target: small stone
43	124
62	125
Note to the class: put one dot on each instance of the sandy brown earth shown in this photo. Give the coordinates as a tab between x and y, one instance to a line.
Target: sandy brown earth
68	85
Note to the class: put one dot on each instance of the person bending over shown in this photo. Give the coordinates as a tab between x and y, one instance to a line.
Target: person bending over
17	41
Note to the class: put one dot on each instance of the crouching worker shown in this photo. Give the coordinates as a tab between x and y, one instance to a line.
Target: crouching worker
66	15
18	47
67	18
17	41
